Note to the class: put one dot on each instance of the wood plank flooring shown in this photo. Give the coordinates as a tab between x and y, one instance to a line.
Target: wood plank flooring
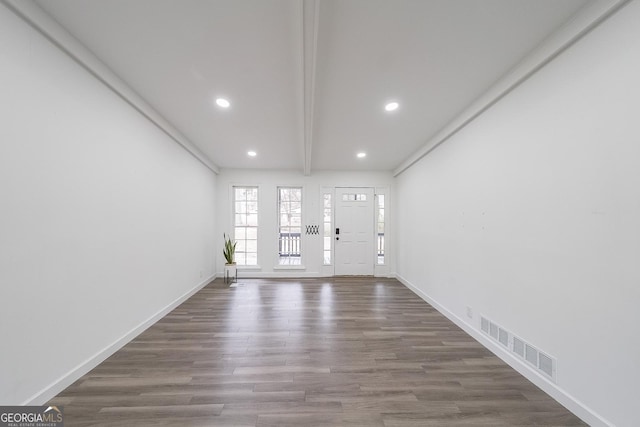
316	352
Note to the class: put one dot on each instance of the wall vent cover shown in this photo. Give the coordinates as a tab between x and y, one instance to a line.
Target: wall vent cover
539	361
518	346
503	337
484	325
531	354
493	330
546	364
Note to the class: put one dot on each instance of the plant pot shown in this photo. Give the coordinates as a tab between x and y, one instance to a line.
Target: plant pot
230	273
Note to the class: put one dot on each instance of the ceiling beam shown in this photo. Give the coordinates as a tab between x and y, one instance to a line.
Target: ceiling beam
33	15
586	20
310	16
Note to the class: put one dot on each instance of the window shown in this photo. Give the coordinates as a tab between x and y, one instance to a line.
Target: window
289	225
354	197
245	224
326	223
380	227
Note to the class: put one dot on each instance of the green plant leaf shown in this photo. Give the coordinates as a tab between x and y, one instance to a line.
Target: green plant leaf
229	249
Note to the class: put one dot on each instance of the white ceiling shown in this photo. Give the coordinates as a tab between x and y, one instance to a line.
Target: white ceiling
317	99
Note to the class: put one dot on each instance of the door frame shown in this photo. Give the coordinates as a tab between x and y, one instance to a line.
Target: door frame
372	257
380	270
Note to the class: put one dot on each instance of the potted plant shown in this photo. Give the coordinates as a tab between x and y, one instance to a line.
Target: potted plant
229	251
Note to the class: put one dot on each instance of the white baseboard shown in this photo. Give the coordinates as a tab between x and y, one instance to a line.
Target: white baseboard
279	274
565	399
289	274
70	377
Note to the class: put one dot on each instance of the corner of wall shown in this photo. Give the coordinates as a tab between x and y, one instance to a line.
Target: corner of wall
560	395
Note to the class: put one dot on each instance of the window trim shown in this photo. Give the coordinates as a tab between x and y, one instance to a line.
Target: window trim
384	225
331	192
255	266
300	265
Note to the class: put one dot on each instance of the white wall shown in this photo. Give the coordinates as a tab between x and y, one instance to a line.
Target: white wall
104	220
531	216
268	181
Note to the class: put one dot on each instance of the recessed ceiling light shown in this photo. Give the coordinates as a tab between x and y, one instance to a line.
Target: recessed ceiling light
361	155
252	153
223	103
391	106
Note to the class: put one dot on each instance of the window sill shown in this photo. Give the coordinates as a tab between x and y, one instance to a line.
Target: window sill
249	267
289	267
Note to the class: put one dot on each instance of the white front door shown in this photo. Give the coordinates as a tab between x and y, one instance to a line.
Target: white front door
354	229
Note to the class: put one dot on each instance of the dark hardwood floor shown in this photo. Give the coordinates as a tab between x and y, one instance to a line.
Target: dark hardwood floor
331	352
